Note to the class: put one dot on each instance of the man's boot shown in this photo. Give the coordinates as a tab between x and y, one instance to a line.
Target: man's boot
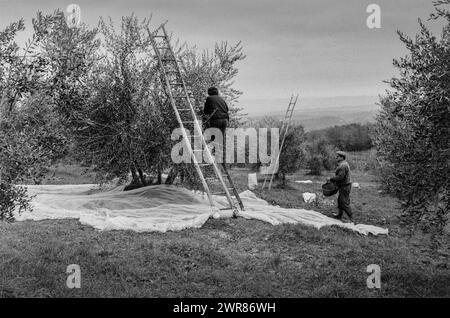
352	219
337	216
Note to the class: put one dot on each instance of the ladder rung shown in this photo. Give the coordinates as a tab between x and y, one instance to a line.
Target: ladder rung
205	164
232	208
218	193
217	179
159	36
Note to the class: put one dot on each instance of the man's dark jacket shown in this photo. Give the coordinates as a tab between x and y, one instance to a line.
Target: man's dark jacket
215	108
342	173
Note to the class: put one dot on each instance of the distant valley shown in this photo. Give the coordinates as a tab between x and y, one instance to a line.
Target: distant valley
315	114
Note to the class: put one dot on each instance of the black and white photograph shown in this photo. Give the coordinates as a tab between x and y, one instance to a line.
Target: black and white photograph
213	156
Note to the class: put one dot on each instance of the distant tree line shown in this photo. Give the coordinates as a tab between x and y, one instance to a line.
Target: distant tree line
351	137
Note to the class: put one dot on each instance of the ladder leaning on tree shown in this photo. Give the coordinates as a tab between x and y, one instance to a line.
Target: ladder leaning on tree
179	99
284	130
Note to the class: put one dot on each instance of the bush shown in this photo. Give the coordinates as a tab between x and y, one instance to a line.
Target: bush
12	198
315	165
292	155
320	156
28	146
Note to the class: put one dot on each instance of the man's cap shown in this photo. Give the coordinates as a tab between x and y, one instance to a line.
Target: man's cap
342	154
213	91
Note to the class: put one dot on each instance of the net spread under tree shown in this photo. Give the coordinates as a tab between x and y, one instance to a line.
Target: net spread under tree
97	93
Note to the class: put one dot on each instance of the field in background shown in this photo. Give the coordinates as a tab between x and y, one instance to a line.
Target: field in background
63	173
227	258
363	161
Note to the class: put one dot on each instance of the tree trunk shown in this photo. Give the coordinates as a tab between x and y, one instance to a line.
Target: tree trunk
3	105
159	177
134	175
142	177
182	176
172	175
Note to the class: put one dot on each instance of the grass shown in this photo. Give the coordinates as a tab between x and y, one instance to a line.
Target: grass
369	205
227	258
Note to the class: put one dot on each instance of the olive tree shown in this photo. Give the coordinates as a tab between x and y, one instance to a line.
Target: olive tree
412	131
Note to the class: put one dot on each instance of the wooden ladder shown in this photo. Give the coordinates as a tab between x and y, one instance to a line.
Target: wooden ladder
180	101
284	130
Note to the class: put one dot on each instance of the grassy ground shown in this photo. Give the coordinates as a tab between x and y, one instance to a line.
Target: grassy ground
227	258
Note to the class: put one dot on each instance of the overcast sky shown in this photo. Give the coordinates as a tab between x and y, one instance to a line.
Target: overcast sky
320	48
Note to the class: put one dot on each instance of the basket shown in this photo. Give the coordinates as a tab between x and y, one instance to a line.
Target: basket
329	189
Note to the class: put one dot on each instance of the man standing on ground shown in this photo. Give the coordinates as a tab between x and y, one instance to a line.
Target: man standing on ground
342	180
216	113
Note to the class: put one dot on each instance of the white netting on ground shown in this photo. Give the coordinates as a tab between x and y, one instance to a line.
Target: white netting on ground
160	208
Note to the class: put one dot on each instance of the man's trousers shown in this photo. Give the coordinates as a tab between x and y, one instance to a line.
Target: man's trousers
344	201
222	125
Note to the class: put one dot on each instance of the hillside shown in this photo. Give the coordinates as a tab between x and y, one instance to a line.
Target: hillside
324	117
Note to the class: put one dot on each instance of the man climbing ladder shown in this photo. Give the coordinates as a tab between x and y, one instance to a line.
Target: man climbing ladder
216	116
176	91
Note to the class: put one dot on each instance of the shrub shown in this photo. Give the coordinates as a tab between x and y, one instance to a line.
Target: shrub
292	155
12	198
320	156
